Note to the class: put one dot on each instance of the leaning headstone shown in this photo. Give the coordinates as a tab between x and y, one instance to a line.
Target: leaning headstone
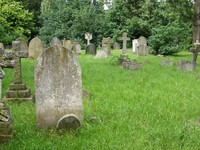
1	46
142	46
36	47
91	49
185	65
55	41
116	45
5	123
101	54
58	86
135	45
23	44
68	44
166	63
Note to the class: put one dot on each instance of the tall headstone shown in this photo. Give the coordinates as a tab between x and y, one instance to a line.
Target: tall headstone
91	49
36	47
68	44
196	34
124	39
58	89
88	37
142	46
76	48
55	41
135	45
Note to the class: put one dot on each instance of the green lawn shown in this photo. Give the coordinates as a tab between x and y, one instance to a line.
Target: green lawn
153	108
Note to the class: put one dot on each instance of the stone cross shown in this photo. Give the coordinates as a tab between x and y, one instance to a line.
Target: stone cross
124	39
88	37
10	60
196	34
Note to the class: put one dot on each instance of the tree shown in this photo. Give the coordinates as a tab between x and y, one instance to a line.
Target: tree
14	21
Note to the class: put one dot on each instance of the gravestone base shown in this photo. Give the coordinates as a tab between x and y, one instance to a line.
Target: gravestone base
18	91
122	58
5	123
132	65
186	65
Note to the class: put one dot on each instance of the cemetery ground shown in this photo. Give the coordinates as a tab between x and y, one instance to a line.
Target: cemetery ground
153	108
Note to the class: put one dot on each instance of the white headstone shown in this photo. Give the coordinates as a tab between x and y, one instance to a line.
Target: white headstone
135	45
58	87
88	37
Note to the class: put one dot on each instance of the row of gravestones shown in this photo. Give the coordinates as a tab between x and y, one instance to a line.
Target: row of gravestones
58	88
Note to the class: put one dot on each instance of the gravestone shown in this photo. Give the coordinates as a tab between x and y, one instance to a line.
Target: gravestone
88	37
116	45
1	46
36	47
76	48
132	65
91	49
142	46
58	88
18	89
106	45
185	65
55	41
166	63
5	123
101	54
23	44
68	44
124	39
135	45
2	74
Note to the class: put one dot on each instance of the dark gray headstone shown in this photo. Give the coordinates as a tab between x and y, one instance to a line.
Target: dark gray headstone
91	49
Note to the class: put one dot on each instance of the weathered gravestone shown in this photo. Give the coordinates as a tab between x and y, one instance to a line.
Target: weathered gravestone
18	89
135	45
76	48
67	44
58	86
124	56
106	45
5	123
101	54
1	46
185	65
91	49
23	44
88	37
166	63
142	46
55	41
35	48
2	74
116	45
132	65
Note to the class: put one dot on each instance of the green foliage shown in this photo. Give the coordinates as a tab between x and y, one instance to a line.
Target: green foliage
14	21
169	39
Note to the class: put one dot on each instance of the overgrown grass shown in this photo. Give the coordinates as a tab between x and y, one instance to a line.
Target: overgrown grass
153	108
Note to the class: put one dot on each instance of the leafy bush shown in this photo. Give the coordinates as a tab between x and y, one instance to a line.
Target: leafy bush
169	39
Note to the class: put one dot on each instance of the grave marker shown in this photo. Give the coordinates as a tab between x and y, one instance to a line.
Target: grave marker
58	86
142	46
55	41
36	47
124	39
88	37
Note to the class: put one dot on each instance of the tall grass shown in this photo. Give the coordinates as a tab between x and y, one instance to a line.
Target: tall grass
153	108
